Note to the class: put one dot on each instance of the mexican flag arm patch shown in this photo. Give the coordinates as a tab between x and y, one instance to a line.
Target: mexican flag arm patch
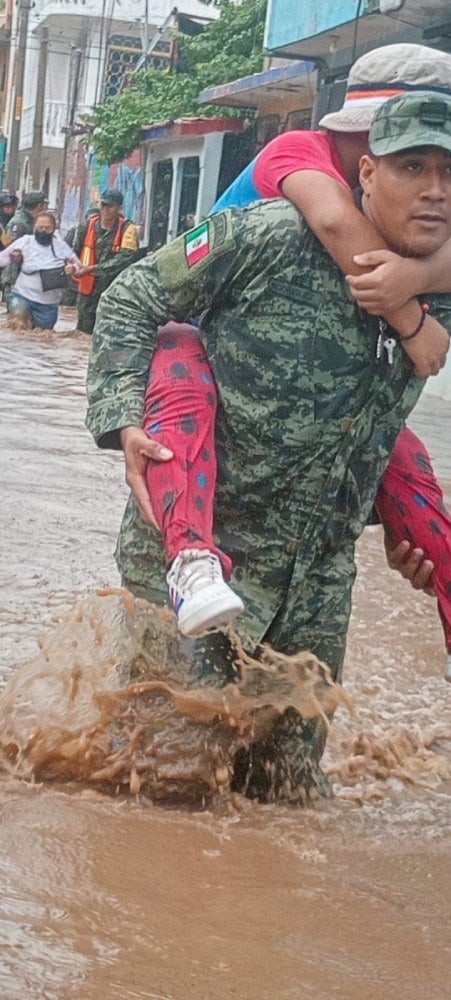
197	243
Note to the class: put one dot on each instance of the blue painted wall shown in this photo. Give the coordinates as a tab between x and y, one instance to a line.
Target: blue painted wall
289	22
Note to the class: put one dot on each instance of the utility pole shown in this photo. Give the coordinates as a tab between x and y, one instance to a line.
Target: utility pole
38	127
145	40
12	180
72	100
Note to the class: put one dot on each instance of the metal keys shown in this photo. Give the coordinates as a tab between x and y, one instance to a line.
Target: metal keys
389	345
385	346
380	339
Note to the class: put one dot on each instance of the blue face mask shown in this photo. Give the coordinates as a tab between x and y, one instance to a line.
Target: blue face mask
43	238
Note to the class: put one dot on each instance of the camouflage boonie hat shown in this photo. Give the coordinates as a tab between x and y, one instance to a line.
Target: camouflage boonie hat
112	197
408	121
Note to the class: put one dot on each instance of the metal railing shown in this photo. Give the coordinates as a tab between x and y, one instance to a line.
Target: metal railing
54	121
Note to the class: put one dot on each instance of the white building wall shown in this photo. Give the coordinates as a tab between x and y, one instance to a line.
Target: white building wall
209	172
29	96
158	9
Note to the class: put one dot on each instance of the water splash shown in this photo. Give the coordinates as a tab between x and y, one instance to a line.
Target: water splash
109	702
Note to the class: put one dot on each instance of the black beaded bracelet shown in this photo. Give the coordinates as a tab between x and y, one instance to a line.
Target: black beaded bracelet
424	311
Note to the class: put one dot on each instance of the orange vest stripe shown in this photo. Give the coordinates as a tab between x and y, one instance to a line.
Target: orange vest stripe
88	252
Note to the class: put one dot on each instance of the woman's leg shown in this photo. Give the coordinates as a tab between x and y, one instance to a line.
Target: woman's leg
43	316
19	308
180	411
410	504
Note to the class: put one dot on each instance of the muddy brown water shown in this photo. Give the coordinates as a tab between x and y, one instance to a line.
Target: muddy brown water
105	898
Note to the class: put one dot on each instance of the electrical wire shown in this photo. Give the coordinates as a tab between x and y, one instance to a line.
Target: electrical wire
356	29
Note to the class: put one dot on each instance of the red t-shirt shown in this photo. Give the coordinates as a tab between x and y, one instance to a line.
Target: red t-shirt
292	151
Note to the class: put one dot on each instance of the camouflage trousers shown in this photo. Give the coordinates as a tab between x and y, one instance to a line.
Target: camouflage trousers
285	766
313	616
87	307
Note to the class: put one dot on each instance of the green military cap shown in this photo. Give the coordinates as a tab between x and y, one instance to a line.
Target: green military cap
112	197
420	119
33	198
8	198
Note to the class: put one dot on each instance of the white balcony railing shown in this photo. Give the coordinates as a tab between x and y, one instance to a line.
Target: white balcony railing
91	8
55	119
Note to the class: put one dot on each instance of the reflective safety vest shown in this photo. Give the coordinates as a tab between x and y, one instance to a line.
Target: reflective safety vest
86	283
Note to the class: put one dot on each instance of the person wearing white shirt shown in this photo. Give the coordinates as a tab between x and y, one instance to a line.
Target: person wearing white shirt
43	258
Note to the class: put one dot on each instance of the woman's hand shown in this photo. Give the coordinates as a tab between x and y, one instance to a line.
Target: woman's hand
77	272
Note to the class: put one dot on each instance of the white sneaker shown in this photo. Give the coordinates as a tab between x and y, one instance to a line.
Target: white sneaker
447	674
199	594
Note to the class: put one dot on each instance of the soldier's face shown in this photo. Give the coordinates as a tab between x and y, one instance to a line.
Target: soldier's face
407	196
108	214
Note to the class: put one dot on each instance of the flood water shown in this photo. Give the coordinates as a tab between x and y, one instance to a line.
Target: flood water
112	898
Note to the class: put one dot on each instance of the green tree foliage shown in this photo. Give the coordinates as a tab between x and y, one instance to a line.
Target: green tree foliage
227	49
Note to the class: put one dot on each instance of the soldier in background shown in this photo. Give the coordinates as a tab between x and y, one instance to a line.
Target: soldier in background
8	206
106	243
23	220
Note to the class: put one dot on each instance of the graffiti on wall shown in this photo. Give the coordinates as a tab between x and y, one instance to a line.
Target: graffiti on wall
86	179
74	186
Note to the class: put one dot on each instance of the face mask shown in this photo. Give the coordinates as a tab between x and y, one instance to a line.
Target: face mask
43	238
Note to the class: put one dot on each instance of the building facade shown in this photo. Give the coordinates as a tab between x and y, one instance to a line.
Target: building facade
78	53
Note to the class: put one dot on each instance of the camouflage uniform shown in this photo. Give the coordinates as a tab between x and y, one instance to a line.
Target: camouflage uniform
21	224
108	266
306	421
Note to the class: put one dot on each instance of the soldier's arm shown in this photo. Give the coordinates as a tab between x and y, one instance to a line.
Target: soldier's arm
179	281
126	255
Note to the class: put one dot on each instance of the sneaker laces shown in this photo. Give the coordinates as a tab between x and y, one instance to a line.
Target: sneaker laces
195	572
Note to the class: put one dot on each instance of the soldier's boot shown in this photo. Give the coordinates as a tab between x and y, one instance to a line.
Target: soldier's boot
199	595
285	767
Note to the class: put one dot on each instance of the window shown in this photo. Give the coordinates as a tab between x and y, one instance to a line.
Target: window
299	119
267	129
161	202
189	186
121	58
